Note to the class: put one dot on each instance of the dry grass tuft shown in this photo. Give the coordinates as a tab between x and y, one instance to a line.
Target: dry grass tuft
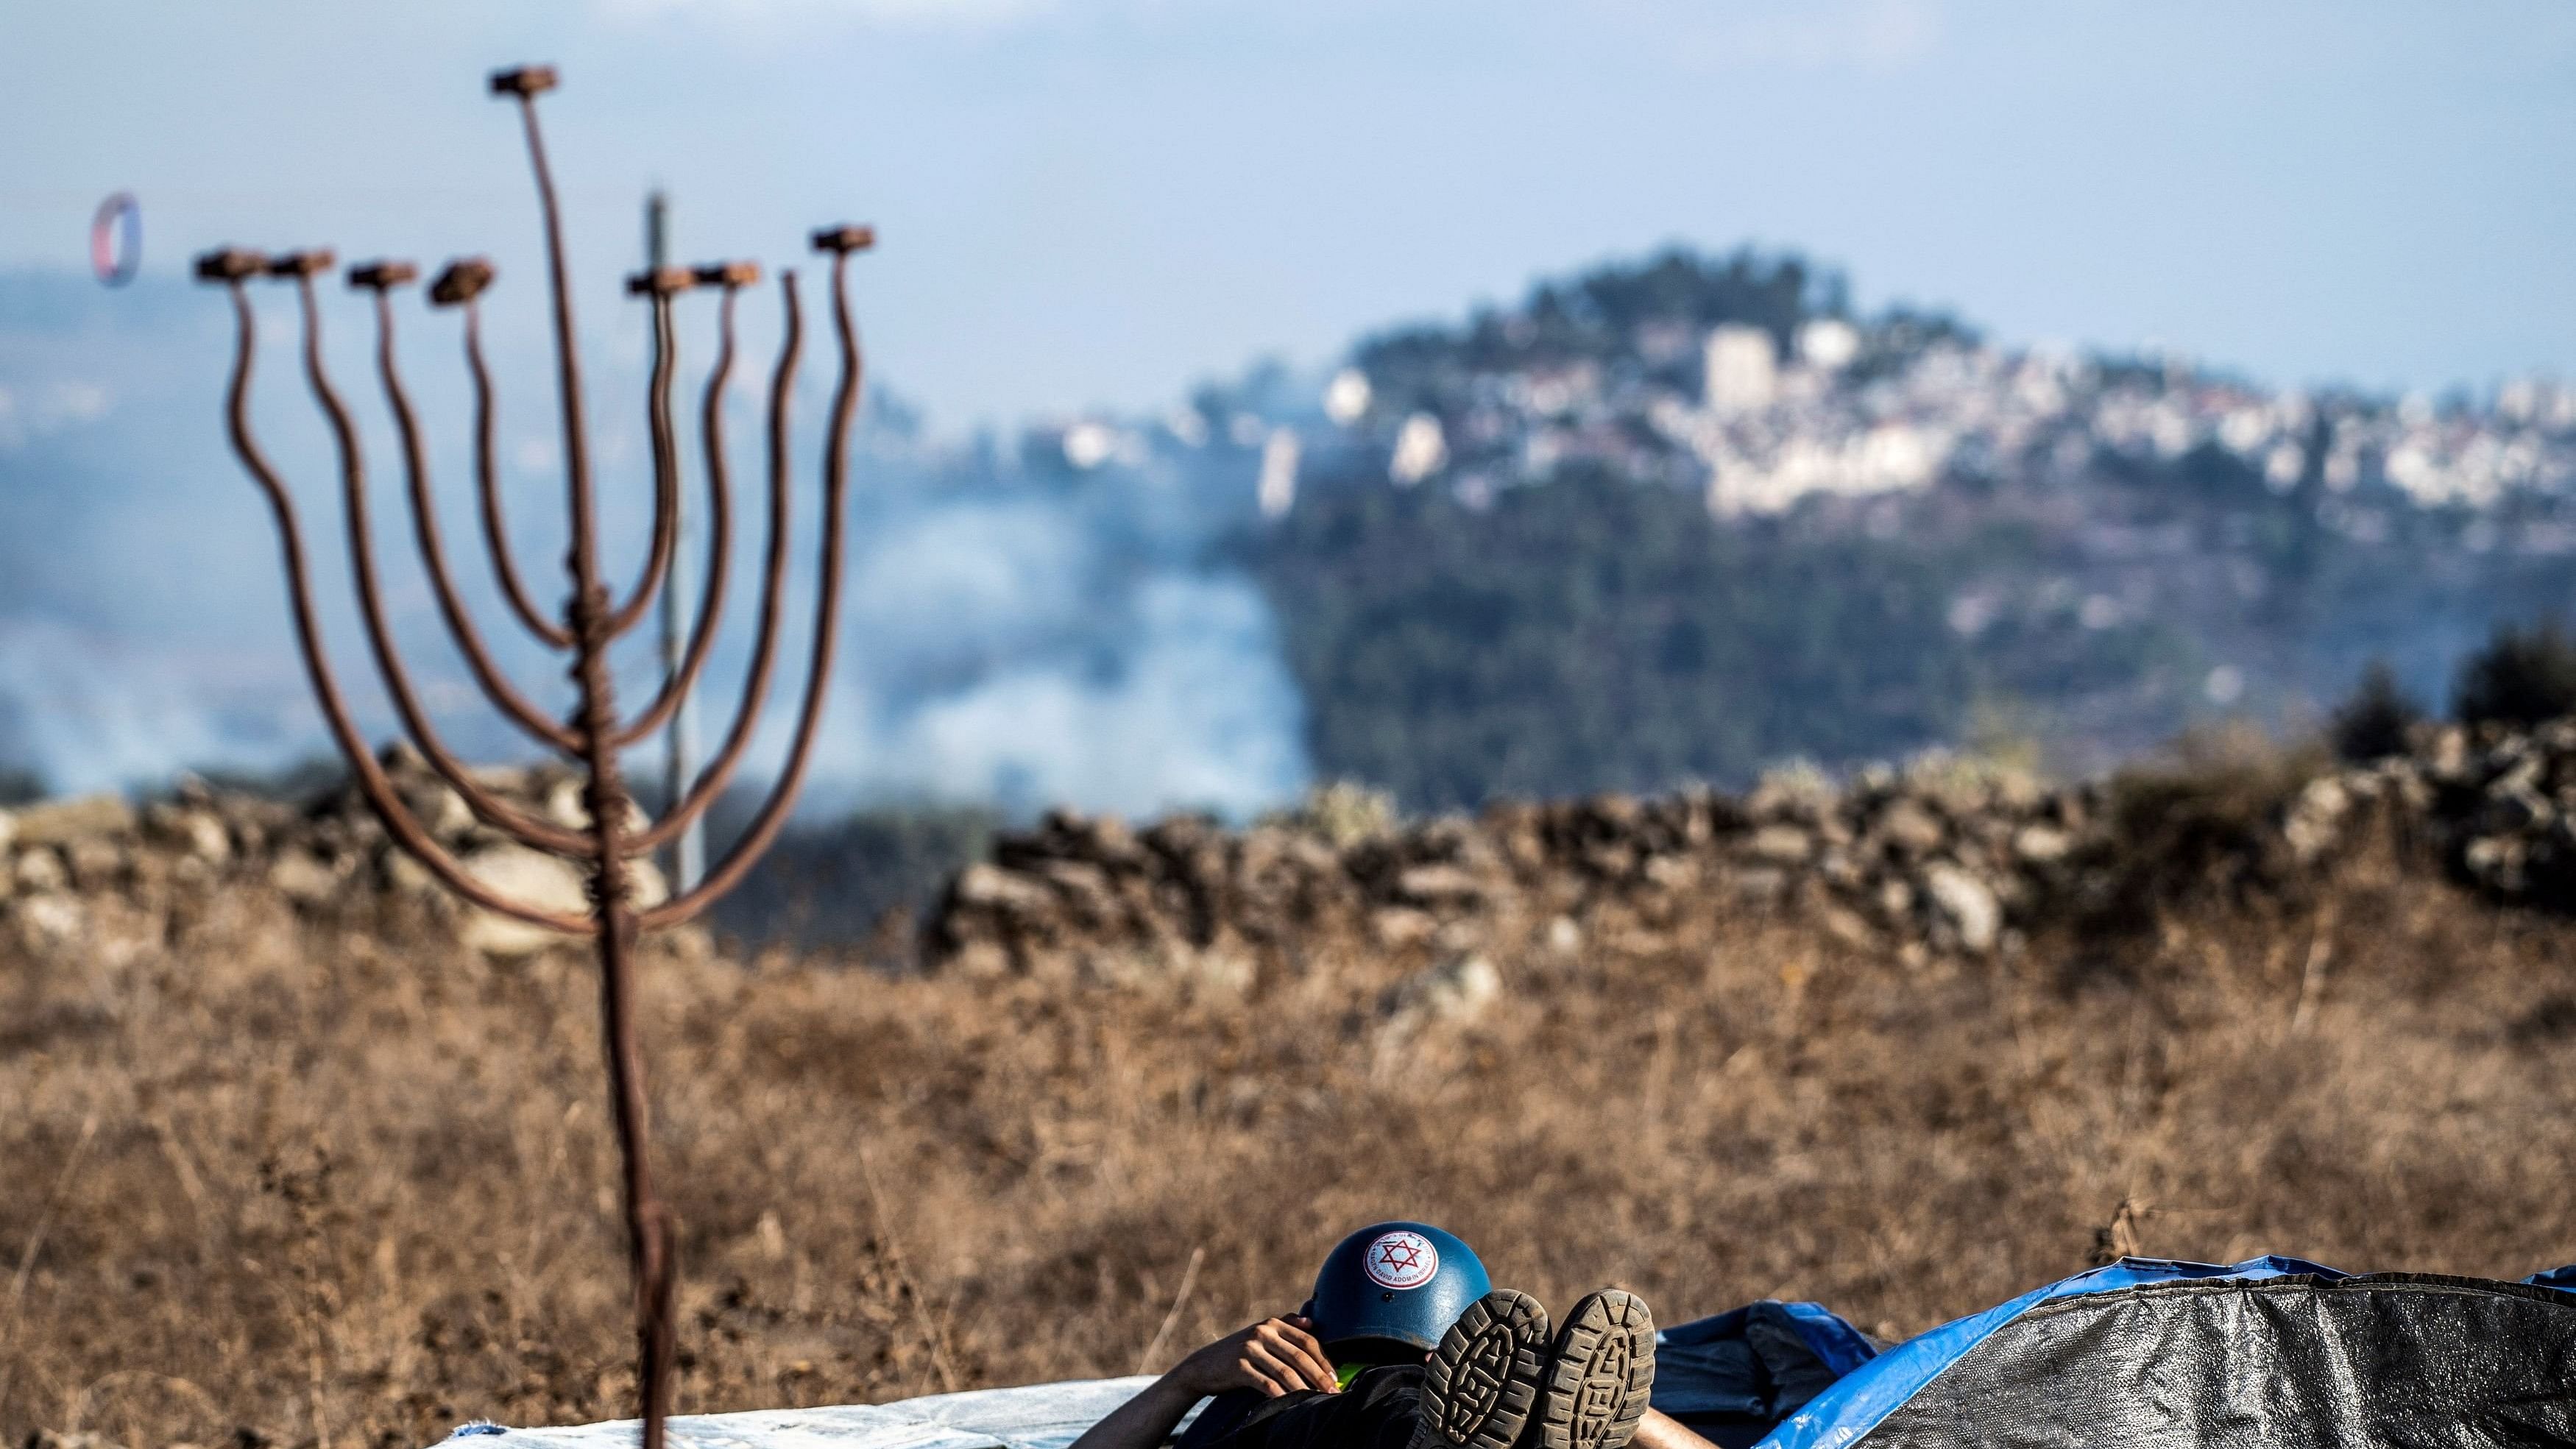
276	1183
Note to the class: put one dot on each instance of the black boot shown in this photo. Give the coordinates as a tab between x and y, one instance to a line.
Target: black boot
1482	1381
1600	1374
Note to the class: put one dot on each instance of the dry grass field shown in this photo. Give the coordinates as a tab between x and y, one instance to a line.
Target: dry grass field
267	1182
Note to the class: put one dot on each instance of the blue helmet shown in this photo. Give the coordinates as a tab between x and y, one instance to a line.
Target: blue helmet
1391	1287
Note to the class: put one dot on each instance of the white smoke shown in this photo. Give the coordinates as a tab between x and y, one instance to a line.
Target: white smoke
1197	714
1006	638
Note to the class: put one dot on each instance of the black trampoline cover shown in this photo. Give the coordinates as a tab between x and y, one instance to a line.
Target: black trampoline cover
2291	1361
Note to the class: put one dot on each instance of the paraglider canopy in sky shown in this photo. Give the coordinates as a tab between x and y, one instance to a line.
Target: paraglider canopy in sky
116	239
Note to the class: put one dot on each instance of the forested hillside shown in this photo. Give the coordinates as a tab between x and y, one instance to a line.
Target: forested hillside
1593	634
1691	517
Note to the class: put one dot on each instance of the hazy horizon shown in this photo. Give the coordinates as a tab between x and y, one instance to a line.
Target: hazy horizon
1089	205
1093	205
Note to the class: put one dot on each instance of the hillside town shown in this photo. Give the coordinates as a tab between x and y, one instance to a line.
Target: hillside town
1764	414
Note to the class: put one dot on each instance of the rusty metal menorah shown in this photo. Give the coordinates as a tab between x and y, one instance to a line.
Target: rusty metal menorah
592	619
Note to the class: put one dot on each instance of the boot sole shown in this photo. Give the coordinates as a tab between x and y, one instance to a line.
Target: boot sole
1481	1383
1601	1374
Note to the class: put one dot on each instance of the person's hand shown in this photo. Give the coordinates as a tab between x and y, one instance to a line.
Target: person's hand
1274	1356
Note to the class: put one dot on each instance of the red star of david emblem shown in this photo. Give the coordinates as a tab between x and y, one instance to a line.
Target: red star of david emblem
1398	1256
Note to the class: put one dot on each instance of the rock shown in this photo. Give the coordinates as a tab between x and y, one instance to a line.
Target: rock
49	920
1564	937
193	831
1797	790
1438	885
1847	928
60	822
1962	786
1457	990
436	805
565	807
1759	886
1108	838
1399	926
2496	861
303	877
991	888
2017	789
1345	814
645	886
1781	844
2447	758
40	869
98	862
982	959
405	875
1612	814
2042	844
1910	828
2510	809
1609	860
510	782
1672	872
1967	903
8	831
1086	888
530	877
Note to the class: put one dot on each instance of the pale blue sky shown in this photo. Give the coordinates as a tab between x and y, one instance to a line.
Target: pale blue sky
1093	201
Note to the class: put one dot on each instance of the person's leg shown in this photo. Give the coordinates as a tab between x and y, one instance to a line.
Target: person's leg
1659	1430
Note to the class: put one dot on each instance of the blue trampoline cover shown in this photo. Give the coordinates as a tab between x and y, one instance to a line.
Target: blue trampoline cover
2273	1350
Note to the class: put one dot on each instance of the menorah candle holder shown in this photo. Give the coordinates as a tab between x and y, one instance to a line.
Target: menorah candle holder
591	618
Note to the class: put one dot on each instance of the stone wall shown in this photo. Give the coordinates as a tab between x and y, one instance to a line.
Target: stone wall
74	870
1945	857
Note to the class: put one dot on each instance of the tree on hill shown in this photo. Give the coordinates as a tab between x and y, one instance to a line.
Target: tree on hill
2523	676
2373	724
20	785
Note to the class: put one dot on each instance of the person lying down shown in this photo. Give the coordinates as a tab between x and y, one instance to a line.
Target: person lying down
1406	1345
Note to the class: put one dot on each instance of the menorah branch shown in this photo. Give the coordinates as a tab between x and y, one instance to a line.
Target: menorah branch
228	267
772	816
719	770
433	552
371	610
459	284
663	441
702	633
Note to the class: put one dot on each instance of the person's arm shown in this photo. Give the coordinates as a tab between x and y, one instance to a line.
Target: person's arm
1659	1430
1275	1356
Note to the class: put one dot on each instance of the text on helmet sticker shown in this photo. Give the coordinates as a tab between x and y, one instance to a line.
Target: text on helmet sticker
1401	1259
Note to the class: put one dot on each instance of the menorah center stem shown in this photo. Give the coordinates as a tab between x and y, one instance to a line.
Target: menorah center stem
604	791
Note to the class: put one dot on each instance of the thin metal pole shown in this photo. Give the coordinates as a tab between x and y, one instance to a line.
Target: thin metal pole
680	755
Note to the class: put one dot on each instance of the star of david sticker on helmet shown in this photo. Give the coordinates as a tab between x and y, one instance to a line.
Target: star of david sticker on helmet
1401	1259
